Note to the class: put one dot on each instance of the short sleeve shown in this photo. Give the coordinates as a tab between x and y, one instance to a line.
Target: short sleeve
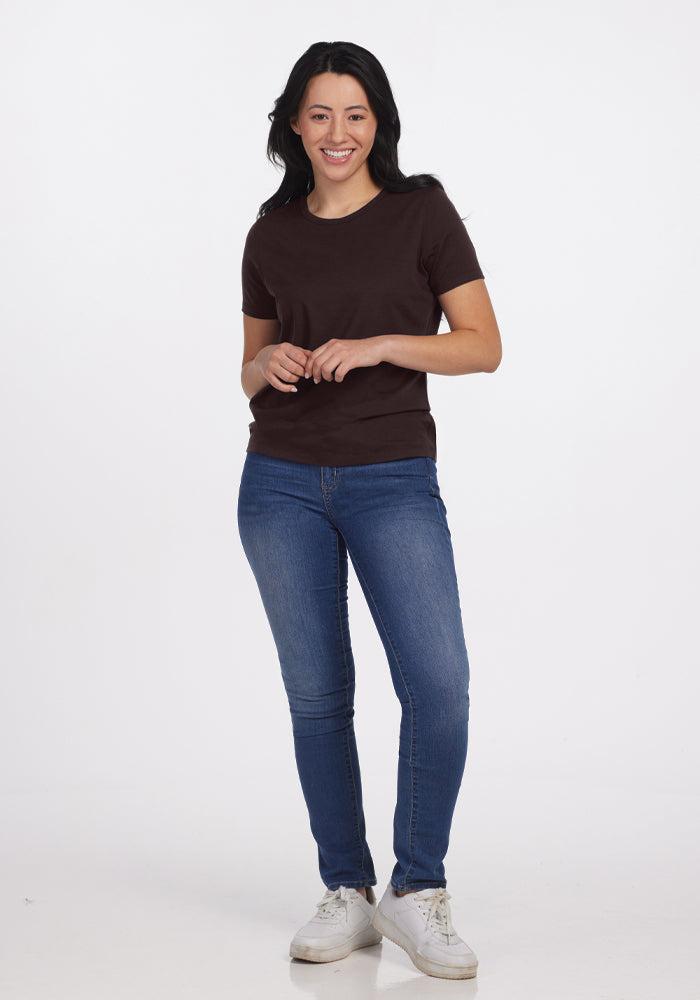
449	255
257	299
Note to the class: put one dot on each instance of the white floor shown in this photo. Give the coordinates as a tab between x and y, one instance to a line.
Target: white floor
192	894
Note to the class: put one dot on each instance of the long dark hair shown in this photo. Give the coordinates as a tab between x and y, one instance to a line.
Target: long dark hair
284	146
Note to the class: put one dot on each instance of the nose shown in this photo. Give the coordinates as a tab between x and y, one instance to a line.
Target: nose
336	131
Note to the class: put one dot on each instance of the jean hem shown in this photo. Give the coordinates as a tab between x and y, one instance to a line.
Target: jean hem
362	884
418	886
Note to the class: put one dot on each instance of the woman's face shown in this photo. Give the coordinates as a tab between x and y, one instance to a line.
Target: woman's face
336	125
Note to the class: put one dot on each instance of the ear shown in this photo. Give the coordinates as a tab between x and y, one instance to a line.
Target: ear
294	122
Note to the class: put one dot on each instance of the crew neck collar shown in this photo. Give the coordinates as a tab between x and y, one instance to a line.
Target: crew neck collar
343	218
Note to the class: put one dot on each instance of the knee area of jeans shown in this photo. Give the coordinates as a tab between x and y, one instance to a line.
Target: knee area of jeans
444	716
310	726
442	694
307	703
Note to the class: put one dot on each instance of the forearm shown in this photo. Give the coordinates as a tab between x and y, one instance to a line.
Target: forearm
459	352
252	378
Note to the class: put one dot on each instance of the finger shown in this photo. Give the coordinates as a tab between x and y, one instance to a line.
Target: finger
298	355
317	367
285	376
288	361
277	383
337	363
324	371
275	369
318	358
328	362
291	369
313	363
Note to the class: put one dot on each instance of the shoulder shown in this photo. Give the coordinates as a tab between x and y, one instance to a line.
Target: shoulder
427	212
427	202
275	222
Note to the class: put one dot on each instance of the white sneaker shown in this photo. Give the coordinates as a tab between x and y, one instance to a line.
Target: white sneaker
343	922
421	924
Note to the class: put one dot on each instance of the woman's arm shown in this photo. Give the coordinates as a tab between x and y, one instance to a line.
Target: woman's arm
267	362
472	345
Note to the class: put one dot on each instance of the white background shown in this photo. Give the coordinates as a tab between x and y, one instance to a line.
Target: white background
154	838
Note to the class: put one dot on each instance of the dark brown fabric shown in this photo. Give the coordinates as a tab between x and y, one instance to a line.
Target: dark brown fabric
376	271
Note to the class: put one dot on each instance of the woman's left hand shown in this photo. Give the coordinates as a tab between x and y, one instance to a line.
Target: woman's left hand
334	359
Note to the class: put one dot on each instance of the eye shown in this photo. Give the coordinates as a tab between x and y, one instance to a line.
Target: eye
318	116
357	118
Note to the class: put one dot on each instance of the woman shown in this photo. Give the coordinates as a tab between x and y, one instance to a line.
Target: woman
346	274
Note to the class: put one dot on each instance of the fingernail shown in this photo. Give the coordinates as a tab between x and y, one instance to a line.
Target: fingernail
307	375
316	381
293	389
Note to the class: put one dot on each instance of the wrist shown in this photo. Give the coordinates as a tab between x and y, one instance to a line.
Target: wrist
389	347
260	360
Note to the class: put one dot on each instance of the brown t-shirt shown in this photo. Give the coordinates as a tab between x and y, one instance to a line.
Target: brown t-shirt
376	271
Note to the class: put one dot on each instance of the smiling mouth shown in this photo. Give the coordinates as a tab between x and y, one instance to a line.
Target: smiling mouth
337	155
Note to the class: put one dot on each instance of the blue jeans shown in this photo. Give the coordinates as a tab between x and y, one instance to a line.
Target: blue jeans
297	524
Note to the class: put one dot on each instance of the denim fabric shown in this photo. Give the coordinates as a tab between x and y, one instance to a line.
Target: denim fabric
298	523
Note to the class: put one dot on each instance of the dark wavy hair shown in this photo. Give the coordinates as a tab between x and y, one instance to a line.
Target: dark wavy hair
284	146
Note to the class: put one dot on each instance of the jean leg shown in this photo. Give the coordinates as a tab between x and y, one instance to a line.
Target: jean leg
395	526
300	564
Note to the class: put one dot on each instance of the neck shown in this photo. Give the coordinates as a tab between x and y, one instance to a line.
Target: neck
332	200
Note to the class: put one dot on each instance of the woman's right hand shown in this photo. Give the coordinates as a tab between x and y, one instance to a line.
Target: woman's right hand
282	365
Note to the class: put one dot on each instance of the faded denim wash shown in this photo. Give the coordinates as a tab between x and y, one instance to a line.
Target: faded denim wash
298	523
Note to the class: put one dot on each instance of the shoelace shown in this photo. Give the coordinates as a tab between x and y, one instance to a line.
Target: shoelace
438	914
334	904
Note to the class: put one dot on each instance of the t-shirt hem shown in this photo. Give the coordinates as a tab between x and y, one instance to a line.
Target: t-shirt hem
338	458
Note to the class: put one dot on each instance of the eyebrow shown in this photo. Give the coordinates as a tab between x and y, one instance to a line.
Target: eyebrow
353	107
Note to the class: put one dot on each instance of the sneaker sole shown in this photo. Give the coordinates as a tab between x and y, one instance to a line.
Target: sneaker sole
308	953
388	929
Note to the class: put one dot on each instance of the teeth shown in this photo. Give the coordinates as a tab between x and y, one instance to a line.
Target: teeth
337	154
